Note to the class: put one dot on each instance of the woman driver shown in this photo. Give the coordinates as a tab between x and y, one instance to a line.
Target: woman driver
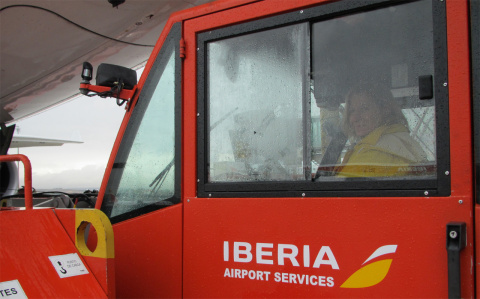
379	130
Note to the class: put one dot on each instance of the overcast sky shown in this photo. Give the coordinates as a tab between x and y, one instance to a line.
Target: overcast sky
95	121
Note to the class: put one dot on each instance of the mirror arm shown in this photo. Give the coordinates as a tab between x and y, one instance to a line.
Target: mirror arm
125	94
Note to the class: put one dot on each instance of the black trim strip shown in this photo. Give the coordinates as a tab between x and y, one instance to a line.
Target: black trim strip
475	65
441	93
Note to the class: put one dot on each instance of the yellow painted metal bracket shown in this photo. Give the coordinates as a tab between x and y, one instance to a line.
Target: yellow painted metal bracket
104	231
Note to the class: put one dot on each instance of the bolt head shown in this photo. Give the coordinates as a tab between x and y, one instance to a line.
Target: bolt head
453	234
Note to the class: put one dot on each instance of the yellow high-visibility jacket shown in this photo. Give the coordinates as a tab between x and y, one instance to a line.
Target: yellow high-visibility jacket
386	151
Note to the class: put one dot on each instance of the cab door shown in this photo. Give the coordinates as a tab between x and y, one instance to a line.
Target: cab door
332	151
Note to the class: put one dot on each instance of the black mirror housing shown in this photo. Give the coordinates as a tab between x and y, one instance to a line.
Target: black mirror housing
112	81
110	75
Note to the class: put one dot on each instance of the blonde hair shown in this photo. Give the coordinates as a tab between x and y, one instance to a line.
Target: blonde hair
391	113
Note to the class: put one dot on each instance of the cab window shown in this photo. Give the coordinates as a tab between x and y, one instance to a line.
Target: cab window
367	71
340	99
255	106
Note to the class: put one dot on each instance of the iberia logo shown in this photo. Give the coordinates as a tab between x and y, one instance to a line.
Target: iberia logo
372	273
270	260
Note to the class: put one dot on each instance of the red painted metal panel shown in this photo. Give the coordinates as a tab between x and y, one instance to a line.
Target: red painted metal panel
460	126
68	222
149	259
99	258
460	99
29	238
352	228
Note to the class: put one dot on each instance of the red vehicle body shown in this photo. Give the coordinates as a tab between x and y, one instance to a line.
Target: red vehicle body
218	221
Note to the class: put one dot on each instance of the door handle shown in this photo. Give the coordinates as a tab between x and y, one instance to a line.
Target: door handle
456	241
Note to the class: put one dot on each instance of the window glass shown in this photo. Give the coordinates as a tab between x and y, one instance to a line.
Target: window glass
368	120
256	106
147	174
341	99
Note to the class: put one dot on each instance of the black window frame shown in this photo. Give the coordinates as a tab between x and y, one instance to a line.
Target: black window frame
415	186
474	14
172	41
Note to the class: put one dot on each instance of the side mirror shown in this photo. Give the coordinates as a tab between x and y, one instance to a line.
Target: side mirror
112	81
110	75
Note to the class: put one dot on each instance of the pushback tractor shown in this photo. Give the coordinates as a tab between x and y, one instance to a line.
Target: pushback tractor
278	148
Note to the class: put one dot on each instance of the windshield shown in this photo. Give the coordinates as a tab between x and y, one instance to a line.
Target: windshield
144	172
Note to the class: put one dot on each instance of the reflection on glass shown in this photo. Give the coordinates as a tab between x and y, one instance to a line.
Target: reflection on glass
369	121
148	174
255	92
375	124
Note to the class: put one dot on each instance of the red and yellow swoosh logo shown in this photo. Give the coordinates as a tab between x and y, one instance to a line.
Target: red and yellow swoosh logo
372	273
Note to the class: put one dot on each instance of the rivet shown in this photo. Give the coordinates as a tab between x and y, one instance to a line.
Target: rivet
303	194
198	114
460	201
453	234
426	193
198	49
301	11
188	200
198	180
445	84
210	195
447	172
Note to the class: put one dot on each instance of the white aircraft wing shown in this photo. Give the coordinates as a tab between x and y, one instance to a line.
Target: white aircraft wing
44	43
30	141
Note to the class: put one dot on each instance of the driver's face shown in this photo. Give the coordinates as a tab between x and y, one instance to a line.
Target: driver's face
365	115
